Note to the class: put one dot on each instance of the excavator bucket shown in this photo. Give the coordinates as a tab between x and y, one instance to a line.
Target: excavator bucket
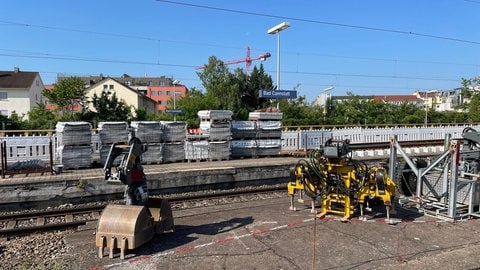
124	227
162	214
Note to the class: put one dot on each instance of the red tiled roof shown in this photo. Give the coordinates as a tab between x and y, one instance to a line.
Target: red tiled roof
17	79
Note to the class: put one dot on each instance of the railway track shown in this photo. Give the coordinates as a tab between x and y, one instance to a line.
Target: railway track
25	223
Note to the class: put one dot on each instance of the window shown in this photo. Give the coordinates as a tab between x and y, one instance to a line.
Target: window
105	87
111	86
3	95
168	93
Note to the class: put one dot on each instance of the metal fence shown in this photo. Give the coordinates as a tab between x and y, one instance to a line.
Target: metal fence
21	148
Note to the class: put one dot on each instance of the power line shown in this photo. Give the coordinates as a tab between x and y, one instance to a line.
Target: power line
322	22
75	58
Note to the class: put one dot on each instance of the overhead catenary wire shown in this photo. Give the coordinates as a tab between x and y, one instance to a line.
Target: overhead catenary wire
335	24
324	22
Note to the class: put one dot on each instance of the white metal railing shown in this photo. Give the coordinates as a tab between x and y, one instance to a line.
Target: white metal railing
37	147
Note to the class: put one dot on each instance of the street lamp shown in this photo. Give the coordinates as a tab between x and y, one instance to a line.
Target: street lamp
272	31
325	91
175	82
425	99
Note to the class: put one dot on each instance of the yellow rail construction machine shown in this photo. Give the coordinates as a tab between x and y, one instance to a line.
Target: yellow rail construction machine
340	182
135	223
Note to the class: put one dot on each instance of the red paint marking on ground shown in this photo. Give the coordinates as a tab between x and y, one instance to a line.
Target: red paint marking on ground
97	267
185	249
142	258
261	232
221	241
295	223
354	220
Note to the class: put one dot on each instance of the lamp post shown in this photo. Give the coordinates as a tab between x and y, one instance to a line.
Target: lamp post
425	99
325	91
175	82
272	31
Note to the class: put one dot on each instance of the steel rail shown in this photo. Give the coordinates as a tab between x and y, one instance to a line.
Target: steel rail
41	215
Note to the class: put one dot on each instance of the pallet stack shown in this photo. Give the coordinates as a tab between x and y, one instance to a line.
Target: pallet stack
216	126
244	136
149	133
269	132
74	144
111	133
174	136
259	136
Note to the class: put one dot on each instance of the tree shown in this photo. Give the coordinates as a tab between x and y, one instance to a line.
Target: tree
109	108
67	95
40	118
193	102
234	91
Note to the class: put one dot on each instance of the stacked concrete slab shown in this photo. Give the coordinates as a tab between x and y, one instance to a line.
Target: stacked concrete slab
73	146
174	136
269	132
259	136
215	125
151	134
111	133
196	149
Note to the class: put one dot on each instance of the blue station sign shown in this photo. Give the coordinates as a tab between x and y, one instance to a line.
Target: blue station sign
177	111
290	94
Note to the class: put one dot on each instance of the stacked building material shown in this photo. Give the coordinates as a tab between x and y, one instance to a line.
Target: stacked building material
269	132
150	133
216	124
111	133
268	147
269	124
244	130
147	131
73	146
219	150
265	116
196	150
215	115
260	136
243	148
73	133
174	136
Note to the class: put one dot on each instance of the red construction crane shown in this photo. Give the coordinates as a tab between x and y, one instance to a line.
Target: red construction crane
248	61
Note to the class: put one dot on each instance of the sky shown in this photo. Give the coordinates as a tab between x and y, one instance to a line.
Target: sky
368	47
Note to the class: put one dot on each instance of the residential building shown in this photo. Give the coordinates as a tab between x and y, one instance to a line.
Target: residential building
123	92
52	107
160	89
20	91
124	79
399	99
434	99
162	94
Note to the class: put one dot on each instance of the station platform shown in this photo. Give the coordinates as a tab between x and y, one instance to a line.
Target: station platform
34	189
266	235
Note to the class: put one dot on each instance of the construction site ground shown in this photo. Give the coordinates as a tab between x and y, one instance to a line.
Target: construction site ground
265	234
